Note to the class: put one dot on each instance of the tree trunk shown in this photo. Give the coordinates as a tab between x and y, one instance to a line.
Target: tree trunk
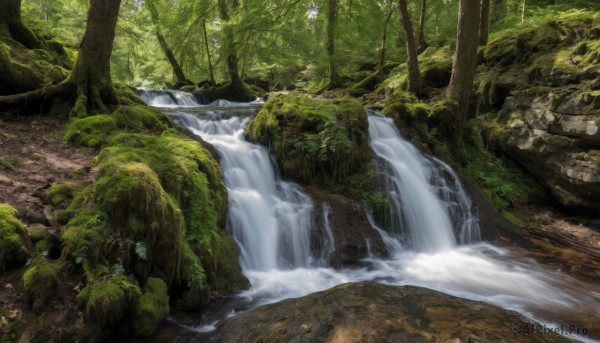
332	14
498	10
230	47
523	12
210	67
91	74
383	39
414	83
11	24
484	22
421	34
464	63
177	70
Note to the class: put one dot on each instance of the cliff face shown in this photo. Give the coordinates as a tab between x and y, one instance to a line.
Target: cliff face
545	82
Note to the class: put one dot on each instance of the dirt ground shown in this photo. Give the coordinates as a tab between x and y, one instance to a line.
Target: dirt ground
33	156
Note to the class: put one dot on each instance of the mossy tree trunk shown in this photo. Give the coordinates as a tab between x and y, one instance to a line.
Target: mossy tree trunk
11	24
414	83
91	75
422	43
464	64
484	22
177	70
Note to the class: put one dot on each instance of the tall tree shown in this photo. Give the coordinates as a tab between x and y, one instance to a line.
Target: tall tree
333	78
414	82
465	63
11	24
497	10
523	10
229	43
422	43
177	70
388	16
206	47
90	78
484	22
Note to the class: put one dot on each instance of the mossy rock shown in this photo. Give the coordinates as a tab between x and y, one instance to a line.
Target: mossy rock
314	141
88	236
405	108
141	118
152	308
436	66
60	193
91	131
109	300
242	93
41	281
13	234
127	95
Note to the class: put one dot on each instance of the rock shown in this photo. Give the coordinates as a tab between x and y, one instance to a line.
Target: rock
370	312
556	137
354	238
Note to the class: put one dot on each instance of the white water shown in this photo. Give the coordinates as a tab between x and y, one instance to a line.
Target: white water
271	220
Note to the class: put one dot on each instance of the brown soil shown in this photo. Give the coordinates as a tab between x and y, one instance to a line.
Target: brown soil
33	156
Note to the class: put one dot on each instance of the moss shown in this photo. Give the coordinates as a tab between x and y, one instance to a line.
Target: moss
152	308
60	193
502	181
435	65
12	236
405	108
91	131
88	236
244	93
141	118
41	282
127	95
314	141
108	300
512	218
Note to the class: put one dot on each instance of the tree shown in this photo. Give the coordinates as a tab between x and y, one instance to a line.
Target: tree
484	22
333	78
90	78
464	63
498	11
414	82
422	44
177	70
11	24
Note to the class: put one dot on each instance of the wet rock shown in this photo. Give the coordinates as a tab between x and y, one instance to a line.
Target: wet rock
354	238
370	312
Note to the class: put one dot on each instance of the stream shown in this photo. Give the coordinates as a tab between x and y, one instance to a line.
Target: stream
433	238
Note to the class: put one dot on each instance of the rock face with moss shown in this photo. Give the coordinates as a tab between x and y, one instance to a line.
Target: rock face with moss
13	239
370	312
545	81
314	140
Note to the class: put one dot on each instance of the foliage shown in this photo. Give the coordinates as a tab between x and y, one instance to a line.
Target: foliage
314	140
13	252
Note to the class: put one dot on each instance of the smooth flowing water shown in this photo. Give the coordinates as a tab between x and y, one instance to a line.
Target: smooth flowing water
433	238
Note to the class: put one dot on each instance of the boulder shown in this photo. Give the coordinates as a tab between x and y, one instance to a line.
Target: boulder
556	137
370	312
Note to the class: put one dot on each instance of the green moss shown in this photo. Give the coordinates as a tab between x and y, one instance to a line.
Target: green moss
435	65
91	131
41	282
126	95
60	193
405	108
88	236
314	141
512	218
12	235
501	180
141	118
152	308
107	301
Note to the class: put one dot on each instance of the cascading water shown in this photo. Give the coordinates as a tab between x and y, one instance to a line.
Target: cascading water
433	220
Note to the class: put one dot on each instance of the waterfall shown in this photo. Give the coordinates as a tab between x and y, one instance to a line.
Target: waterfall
433	234
269	218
